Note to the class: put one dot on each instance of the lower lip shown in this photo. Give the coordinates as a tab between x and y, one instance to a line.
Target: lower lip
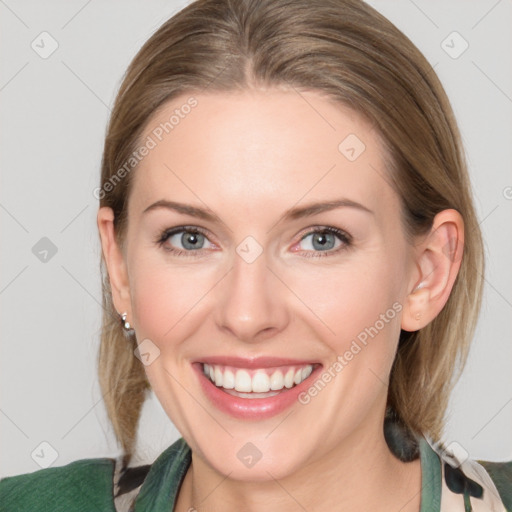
252	408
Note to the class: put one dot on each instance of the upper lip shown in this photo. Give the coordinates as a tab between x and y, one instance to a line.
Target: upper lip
255	362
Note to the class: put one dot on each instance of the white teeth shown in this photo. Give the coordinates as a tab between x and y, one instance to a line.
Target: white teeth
260	382
229	380
252	395
243	381
306	372
218	376
288	380
276	381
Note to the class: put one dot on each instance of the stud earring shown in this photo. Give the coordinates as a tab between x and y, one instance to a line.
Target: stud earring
126	325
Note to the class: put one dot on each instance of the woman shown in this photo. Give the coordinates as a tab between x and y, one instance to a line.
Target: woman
292	262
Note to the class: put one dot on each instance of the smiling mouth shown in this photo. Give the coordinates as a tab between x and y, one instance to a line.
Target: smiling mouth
257	383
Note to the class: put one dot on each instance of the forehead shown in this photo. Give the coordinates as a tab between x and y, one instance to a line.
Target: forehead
254	148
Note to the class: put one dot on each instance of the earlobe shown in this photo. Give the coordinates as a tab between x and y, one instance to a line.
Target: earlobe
413	317
438	260
114	259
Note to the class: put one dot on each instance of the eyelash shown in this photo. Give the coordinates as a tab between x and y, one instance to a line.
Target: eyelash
345	238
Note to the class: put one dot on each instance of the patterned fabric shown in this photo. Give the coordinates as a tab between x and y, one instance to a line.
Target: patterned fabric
127	483
468	487
449	483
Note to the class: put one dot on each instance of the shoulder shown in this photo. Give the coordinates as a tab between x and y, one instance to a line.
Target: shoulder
155	486
451	480
97	484
501	475
478	482
79	486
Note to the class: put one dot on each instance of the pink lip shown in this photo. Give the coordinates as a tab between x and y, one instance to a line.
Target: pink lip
255	362
253	408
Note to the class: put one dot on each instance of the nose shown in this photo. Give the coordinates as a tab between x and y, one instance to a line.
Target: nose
251	301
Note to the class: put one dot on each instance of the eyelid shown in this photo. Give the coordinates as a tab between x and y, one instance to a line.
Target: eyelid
164	236
319	228
343	236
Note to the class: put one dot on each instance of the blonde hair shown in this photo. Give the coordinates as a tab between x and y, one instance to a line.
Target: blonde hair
346	49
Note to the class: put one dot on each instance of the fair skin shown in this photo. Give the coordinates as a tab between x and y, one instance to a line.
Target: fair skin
248	158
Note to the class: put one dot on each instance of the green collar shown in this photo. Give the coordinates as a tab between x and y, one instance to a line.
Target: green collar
430	478
160	488
162	483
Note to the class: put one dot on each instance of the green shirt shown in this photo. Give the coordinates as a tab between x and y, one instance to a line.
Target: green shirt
89	485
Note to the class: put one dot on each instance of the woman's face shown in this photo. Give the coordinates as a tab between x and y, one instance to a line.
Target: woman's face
245	170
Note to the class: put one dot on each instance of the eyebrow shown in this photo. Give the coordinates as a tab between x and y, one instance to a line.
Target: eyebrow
291	214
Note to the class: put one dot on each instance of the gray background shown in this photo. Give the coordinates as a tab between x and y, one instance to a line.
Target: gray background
54	112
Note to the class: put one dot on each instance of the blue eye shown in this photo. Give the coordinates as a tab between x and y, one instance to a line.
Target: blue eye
327	240
190	241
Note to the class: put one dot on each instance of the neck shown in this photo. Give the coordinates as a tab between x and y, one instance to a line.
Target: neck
361	474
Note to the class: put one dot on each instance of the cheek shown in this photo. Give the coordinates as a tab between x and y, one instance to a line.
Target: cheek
165	298
359	302
170	301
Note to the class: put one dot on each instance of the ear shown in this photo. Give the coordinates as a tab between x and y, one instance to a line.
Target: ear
114	259
438	259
